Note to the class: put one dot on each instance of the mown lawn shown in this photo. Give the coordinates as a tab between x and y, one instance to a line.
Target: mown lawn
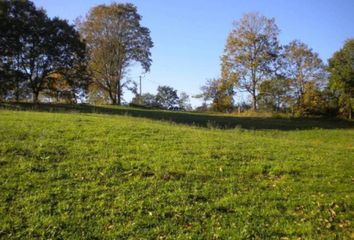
105	176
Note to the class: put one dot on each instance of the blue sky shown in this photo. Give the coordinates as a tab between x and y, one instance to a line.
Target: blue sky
189	36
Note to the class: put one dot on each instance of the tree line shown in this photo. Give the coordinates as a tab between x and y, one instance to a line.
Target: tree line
290	78
48	59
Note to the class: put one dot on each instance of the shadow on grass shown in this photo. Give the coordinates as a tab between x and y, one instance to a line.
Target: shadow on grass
196	119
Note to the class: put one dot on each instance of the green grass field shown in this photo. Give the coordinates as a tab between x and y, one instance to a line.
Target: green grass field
120	173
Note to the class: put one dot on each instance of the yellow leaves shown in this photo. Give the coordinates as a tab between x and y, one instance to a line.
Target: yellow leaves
55	75
344	224
333	213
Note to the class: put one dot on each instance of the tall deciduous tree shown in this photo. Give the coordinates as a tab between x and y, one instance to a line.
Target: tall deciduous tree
304	68
13	25
34	46
341	68
166	97
115	39
251	50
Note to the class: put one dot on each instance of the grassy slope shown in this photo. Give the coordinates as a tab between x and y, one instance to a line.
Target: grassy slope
223	121
93	176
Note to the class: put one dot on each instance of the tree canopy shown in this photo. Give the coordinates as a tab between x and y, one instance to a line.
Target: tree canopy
341	68
305	70
166	97
115	39
48	59
250	52
34	47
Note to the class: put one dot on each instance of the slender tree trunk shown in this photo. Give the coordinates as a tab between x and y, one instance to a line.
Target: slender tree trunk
119	93
17	82
254	85
17	91
74	98
35	95
112	97
350	114
350	111
350	107
36	86
254	101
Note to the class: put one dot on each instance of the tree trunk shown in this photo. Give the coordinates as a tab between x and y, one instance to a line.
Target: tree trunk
74	98
119	93
35	96
350	111
254	100
254	85
113	98
17	96
17	93
113	101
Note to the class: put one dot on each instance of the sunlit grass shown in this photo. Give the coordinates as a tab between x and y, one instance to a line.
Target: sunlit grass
87	176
